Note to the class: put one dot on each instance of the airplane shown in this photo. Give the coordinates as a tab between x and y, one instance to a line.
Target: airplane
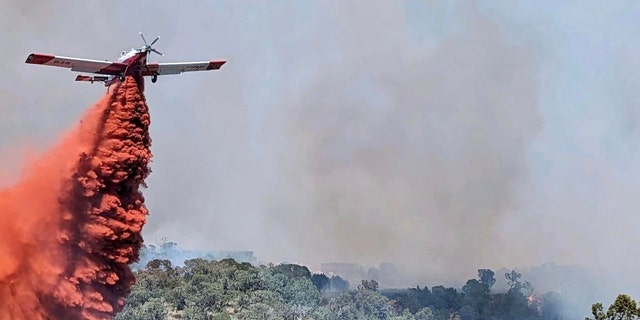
132	62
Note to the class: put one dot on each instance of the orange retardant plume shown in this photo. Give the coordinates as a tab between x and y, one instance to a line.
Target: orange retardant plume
70	227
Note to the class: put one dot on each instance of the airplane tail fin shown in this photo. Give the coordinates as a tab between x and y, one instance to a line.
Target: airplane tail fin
92	79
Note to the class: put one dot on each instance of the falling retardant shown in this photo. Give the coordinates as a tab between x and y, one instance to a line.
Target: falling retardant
71	225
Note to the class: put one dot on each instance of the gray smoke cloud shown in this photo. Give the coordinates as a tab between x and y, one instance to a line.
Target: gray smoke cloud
409	154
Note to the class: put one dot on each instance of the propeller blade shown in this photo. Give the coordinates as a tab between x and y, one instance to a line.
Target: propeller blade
143	39
154	41
156	51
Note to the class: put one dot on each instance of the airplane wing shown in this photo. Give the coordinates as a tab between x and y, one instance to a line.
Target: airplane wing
91	78
77	64
157	69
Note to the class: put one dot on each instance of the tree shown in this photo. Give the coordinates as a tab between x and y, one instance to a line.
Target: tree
445	299
417	299
486	277
425	314
292	270
476	298
321	281
262	305
343	307
515	285
336	283
370	285
301	292
370	302
623	308
513	304
151	310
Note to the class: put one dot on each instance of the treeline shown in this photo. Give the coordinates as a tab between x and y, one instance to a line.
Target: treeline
203	289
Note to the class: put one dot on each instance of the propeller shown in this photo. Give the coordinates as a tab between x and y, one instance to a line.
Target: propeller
147	47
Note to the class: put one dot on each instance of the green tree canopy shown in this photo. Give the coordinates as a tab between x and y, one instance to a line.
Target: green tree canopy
623	308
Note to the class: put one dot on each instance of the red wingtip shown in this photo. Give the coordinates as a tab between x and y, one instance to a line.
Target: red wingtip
37	58
215	64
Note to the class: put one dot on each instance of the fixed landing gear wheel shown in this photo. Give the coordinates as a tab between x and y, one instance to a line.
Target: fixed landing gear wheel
121	78
154	79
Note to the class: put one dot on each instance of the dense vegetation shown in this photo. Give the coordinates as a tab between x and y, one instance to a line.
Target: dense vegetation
203	289
624	308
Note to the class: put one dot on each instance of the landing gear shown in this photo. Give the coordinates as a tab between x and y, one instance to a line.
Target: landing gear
154	79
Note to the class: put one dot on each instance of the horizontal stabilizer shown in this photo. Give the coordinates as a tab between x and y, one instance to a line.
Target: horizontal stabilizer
91	78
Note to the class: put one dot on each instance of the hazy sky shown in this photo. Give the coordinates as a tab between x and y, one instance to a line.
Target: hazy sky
452	135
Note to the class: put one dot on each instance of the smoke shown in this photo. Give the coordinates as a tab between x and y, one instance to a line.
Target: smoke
71	224
408	154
